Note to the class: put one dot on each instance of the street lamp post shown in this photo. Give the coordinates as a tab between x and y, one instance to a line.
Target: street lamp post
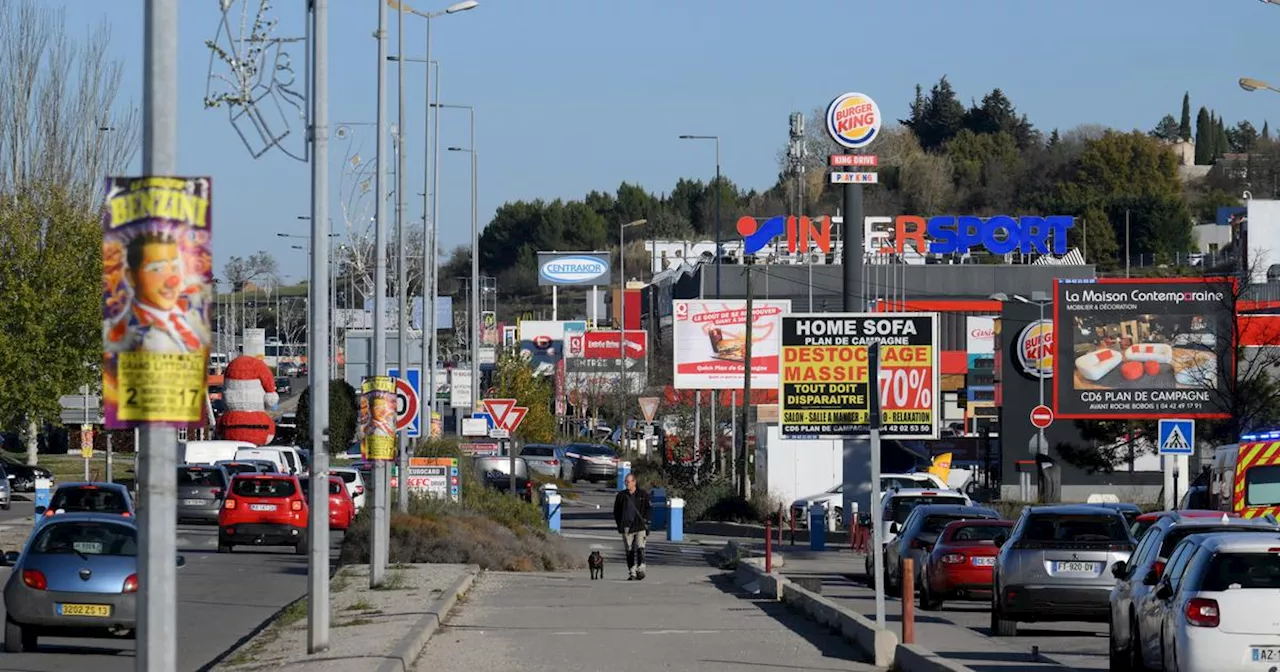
1040	300
473	328
719	229
622	324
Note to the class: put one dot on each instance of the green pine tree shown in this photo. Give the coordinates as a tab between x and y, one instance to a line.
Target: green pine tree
1204	138
1184	126
1266	130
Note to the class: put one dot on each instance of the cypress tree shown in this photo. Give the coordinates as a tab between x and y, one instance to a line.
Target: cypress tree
1204	138
1184	126
1266	130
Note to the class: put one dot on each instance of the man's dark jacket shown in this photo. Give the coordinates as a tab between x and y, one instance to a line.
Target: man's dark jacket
631	511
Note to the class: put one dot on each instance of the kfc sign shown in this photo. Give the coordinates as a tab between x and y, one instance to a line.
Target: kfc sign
605	344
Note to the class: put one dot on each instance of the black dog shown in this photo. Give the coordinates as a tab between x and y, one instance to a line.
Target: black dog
596	562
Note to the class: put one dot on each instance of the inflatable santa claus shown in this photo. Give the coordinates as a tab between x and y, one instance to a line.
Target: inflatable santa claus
248	390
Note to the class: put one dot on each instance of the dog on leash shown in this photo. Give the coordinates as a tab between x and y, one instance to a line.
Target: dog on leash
595	561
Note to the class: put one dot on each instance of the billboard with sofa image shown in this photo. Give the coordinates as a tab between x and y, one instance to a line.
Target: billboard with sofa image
1142	348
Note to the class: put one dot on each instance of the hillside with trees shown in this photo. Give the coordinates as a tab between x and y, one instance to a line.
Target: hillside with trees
946	156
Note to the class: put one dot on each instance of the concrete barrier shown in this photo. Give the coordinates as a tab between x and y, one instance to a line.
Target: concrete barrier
913	658
750	574
733	551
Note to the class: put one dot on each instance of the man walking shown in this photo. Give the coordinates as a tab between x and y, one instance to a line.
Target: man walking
631	514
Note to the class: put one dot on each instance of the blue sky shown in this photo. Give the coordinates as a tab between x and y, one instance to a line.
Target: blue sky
576	95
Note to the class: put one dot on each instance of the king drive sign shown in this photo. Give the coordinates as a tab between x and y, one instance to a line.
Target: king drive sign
604	344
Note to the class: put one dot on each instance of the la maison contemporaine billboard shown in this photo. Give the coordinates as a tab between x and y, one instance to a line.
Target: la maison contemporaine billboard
1142	349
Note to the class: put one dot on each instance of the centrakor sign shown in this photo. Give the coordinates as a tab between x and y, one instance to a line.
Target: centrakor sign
1143	348
825	378
573	268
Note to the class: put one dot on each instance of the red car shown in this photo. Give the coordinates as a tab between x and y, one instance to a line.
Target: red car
263	510
342	509
959	566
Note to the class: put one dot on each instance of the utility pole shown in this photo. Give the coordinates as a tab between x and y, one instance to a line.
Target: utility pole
380	532
877	527
402	284
318	538
744	480
157	645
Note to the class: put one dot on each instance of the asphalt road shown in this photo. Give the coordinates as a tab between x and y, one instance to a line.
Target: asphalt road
686	615
222	599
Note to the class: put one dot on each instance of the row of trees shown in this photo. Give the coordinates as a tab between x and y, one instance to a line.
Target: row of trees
1213	137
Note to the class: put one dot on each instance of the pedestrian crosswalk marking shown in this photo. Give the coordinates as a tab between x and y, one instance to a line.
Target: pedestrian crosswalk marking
1175	440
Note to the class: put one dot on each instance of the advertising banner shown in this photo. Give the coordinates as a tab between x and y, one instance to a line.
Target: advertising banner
436	477
378	418
824	389
460	388
542	344
1143	348
581	269
710	343
157	281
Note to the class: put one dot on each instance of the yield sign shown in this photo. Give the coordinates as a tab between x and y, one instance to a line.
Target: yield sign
498	409
515	417
649	407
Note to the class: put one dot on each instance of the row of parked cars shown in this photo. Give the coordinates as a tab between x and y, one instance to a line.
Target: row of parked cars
77	574
1182	590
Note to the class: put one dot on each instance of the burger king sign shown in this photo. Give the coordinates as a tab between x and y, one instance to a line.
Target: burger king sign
853	120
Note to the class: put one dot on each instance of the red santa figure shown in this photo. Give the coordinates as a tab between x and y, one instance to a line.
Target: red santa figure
249	390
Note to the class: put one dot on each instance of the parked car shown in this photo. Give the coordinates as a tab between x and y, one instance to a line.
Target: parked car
1131	512
6	488
1133	644
286	430
76	577
548	460
833	497
915	537
959	566
201	489
209	452
592	462
234	467
896	506
271	454
284	386
495	472
341	510
1217	604
1146	520
106	498
1056	566
286	369
263	510
23	475
353	480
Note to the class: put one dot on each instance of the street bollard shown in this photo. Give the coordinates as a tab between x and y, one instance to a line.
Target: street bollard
780	512
908	601
550	497
675	519
624	468
818	526
793	527
658	510
768	548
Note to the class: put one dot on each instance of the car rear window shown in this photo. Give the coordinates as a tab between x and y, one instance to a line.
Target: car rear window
1233	571
604	451
89	499
538	451
1076	529
87	538
234	468
346	476
934	524
1179	532
196	477
900	507
335	488
262	487
979	532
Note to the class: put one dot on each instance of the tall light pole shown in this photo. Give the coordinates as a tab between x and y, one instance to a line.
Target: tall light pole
473	328
719	228
622	324
380	532
157	645
430	176
1039	299
402	321
311	353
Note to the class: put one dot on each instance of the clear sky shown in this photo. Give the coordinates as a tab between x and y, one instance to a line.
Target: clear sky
575	95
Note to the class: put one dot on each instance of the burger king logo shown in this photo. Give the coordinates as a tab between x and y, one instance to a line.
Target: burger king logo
853	120
1035	349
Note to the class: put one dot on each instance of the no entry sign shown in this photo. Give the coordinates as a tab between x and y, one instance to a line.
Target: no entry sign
1041	417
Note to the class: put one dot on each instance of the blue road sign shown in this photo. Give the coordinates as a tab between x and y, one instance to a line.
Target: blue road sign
415	381
487	418
1177	437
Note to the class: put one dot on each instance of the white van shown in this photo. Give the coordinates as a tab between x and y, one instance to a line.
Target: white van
270	454
210	452
293	457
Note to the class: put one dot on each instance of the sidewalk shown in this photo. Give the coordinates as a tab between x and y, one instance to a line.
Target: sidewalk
837	570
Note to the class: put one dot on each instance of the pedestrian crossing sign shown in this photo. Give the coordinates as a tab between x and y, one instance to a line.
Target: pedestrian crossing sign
1177	437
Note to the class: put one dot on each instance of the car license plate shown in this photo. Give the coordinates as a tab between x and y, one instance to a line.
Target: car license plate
1264	654
1076	567
262	507
193	502
97	610
984	562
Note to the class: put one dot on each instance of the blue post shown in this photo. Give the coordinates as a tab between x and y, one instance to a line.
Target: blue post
818	526
624	468
675	524
551	507
658	512
44	495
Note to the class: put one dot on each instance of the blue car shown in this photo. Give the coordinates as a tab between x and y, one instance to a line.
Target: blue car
76	577
105	498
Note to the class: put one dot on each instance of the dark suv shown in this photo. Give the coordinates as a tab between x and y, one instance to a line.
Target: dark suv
1056	566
